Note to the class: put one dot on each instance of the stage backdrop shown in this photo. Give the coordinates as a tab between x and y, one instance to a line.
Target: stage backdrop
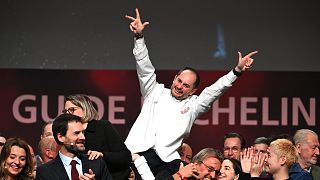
259	103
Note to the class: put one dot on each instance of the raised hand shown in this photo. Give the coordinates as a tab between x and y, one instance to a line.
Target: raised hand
245	62
257	164
87	176
136	25
190	170
246	157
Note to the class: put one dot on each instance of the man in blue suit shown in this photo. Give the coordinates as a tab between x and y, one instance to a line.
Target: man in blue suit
307	144
71	164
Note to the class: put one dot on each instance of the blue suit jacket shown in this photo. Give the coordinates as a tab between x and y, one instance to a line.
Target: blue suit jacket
297	173
54	169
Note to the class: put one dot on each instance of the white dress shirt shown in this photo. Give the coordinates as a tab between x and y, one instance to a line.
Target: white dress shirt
67	166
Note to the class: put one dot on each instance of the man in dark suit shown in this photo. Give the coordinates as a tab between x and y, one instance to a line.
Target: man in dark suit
70	163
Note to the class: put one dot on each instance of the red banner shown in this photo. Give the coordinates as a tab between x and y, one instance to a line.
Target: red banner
259	103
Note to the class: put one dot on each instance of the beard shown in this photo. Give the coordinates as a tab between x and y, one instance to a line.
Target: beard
74	149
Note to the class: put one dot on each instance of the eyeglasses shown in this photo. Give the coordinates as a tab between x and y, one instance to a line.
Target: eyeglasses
70	110
210	168
233	149
1	143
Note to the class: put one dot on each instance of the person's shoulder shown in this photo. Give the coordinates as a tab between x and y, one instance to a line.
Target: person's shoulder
98	124
295	168
84	156
305	176
315	172
296	172
50	163
99	162
102	121
315	167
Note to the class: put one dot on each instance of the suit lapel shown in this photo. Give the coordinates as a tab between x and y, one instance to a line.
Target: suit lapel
59	167
85	163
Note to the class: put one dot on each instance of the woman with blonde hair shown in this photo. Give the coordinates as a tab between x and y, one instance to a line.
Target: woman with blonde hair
102	139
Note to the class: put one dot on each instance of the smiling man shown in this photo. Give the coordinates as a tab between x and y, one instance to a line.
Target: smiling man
281	156
167	114
307	144
70	163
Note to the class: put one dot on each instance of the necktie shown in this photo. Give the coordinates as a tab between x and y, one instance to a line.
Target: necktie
74	172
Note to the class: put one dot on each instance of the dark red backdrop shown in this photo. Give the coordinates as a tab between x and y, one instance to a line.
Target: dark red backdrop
259	104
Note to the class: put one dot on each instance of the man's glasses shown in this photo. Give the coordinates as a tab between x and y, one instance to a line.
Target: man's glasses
69	110
210	168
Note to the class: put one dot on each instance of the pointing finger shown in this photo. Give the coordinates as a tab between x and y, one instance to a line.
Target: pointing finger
137	13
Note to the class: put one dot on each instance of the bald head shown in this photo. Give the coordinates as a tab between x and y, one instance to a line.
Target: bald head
48	148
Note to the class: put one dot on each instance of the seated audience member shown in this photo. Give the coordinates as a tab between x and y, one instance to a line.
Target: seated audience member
205	165
15	160
185	152
233	143
71	163
307	144
281	156
230	169
2	141
48	149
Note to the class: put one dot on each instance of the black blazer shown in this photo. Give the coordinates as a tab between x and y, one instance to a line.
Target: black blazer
54	169
102	136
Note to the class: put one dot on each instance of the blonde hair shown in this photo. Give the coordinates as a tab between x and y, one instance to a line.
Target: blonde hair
285	148
84	102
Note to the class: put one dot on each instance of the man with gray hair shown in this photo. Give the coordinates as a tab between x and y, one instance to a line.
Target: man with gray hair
206	164
307	144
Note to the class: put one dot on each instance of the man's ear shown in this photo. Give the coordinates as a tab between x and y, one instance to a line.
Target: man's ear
298	146
175	77
49	153
61	138
237	177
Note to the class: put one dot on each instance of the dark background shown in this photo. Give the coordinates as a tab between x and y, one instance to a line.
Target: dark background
93	34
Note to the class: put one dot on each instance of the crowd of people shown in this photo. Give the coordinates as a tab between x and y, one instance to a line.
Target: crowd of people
78	145
277	157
